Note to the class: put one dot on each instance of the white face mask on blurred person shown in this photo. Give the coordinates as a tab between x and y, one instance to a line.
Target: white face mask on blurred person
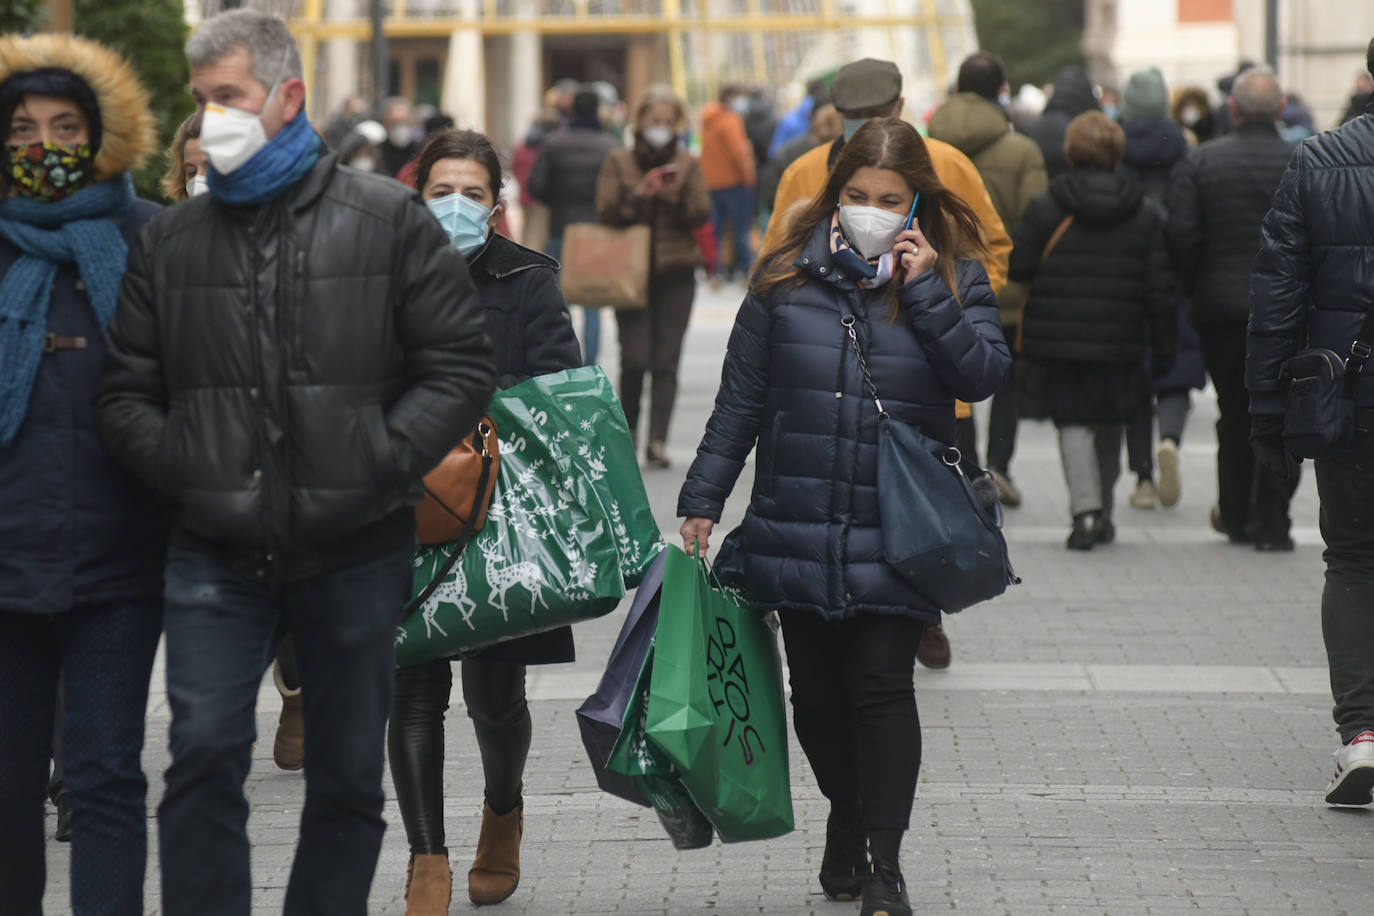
658	137
1190	116
364	163
198	185
400	135
871	230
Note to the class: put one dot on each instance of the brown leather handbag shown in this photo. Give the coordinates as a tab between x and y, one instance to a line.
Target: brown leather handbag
459	490
606	265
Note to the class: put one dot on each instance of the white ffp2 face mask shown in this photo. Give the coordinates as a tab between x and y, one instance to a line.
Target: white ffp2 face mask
871	230
658	137
198	185
229	137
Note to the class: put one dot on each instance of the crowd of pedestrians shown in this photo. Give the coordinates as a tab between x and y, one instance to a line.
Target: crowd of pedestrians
216	416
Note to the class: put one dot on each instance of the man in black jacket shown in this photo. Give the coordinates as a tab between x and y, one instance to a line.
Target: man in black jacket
292	352
1217	198
1313	285
564	179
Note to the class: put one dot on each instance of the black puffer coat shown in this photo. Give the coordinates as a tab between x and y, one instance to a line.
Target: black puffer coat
1153	147
532	334
1105	294
812	536
1314	277
286	374
564	175
1073	95
1219	195
76	529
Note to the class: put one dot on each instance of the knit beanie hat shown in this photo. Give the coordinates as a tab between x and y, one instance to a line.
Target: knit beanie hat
1145	96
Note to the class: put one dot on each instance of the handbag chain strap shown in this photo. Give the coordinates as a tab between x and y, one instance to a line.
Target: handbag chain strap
951	455
848	322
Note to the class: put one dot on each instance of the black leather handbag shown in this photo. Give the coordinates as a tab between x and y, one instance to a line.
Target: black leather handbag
937	532
1319	407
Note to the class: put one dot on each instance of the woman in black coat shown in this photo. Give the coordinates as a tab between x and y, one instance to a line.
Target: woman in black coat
459	175
811	545
82	542
1100	301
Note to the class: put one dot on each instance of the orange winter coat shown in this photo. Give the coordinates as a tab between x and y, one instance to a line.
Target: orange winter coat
727	156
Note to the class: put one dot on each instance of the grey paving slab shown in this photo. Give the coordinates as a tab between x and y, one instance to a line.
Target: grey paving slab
1144	729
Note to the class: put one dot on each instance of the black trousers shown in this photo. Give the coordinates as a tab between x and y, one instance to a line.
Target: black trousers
854	708
494	692
1003	418
651	343
1345	483
1253	501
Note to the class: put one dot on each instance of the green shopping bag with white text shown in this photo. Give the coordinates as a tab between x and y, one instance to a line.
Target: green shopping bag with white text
716	706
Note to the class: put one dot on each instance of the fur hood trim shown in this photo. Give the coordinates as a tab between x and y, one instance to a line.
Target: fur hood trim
128	127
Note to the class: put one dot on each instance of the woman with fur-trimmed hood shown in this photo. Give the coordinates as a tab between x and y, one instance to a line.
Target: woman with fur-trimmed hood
82	543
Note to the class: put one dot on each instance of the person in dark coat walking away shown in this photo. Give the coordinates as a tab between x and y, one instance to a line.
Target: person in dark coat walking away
459	175
82	542
656	183
1013	168
1073	95
292	353
564	180
1219	195
1313	286
1155	143
1100	302
811	545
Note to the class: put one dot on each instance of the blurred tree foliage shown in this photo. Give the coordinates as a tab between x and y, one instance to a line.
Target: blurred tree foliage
150	34
21	15
1035	39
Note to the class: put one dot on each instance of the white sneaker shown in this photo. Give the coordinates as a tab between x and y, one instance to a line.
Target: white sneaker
1143	496
1170	486
1353	783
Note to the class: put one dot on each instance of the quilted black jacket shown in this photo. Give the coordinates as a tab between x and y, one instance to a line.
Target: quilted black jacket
1314	276
287	373
791	386
1105	293
1218	196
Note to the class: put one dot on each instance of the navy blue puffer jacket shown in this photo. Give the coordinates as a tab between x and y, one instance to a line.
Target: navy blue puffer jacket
76	529
1314	276
791	384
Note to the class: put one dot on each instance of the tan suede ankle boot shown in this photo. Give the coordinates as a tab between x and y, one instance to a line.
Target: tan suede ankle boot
495	872
288	750
429	886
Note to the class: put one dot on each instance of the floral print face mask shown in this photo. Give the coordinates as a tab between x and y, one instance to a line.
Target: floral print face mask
50	171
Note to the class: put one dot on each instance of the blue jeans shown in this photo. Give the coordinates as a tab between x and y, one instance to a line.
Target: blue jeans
222	631
104	655
733	207
591	325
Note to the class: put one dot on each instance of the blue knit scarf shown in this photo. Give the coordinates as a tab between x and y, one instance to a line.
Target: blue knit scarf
271	170
81	229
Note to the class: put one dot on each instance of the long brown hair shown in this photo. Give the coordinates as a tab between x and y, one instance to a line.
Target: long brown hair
888	143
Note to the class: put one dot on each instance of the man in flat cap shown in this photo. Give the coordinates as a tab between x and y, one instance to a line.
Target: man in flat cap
863	90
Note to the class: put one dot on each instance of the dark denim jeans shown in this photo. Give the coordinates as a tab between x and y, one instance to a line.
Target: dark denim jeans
105	657
1346	486
732	214
222	631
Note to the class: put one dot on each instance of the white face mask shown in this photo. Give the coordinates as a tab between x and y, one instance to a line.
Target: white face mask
364	163
400	135
871	230
198	185
658	137
230	136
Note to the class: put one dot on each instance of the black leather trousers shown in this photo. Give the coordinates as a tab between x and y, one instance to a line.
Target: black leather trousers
494	692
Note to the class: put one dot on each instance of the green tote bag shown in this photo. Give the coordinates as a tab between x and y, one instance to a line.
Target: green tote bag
716	706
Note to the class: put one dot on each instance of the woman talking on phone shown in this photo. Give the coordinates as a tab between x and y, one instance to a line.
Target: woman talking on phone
657	183
882	261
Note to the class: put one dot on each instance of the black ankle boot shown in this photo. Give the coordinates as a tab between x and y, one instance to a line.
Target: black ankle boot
1084	533
845	864
885	891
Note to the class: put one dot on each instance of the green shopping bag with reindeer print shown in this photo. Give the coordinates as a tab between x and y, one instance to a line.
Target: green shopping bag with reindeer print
568	527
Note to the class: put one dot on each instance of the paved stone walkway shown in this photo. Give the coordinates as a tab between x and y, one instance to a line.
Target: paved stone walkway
1142	729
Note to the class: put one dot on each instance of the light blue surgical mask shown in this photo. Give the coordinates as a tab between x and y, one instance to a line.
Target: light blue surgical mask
852	125
465	220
